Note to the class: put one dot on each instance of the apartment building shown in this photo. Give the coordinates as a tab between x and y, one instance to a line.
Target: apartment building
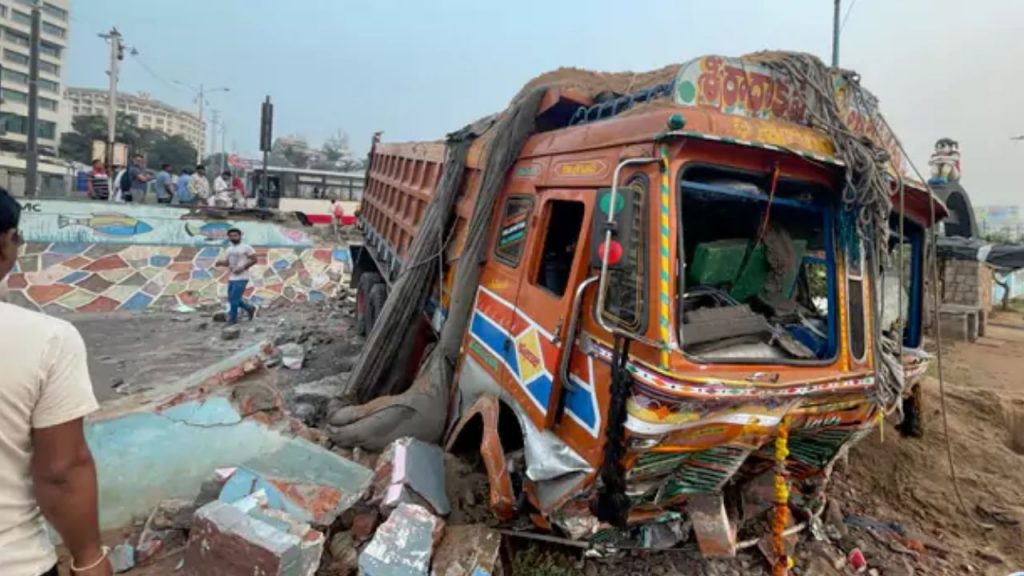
148	112
15	27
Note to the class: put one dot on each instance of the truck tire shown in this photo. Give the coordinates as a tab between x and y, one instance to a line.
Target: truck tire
375	304
366	282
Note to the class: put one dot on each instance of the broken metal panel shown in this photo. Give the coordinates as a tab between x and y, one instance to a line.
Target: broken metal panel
715	534
502	495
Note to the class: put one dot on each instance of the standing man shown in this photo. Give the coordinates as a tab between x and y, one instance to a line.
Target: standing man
240	257
46	470
134	190
222	190
164	186
198	185
182	194
99	181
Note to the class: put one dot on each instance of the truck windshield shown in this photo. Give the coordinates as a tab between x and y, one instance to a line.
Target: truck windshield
759	276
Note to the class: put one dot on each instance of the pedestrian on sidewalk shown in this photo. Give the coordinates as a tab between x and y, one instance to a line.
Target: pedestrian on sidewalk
47	473
199	186
182	194
99	181
134	189
240	257
164	186
222	191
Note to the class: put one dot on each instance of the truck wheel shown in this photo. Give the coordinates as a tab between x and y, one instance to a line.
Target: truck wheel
375	304
366	281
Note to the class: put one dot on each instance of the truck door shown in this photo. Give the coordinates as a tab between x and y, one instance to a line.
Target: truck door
545	294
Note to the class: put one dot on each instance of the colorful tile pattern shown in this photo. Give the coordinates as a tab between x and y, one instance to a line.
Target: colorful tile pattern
64	277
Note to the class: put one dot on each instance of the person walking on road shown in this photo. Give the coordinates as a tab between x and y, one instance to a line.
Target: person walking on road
47	473
240	257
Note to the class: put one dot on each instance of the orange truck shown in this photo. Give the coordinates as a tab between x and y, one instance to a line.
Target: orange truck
670	286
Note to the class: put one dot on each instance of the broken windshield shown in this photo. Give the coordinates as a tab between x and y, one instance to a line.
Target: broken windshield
759	275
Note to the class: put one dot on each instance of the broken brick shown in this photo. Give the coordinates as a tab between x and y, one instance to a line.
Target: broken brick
715	535
468	550
364	524
404	544
411	471
226	541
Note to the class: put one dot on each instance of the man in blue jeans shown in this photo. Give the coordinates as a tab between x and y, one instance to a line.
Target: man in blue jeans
240	257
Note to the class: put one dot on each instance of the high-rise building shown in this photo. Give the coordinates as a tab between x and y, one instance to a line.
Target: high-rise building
148	112
15	27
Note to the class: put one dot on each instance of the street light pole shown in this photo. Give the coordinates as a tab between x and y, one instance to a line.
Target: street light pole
32	146
835	33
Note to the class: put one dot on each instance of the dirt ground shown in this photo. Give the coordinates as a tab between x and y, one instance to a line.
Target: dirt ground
889	480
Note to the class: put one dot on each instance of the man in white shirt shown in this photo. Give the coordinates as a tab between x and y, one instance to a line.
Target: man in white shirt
199	186
46	470
239	258
222	191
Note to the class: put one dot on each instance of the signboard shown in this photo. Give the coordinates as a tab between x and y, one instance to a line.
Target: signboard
99	151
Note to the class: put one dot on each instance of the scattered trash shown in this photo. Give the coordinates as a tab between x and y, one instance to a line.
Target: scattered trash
292	355
857	560
122	558
173	515
230	333
411	471
404	544
184	309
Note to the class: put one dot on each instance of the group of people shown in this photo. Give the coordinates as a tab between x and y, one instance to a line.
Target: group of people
47	473
183	187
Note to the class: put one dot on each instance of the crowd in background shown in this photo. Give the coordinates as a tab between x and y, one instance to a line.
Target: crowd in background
183	186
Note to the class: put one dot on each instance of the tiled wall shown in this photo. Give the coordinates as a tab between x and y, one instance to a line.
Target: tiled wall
63	277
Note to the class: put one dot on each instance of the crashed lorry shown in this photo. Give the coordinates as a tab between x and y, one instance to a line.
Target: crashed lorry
673	277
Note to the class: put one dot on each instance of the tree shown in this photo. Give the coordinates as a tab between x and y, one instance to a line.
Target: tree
77	145
336	148
174	150
297	156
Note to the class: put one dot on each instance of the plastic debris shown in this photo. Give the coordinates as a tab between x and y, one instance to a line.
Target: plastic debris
857	560
122	558
468	550
292	355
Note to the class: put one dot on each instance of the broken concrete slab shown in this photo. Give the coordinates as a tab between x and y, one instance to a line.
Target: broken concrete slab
173	514
468	550
230	333
253	397
412	471
292	355
715	534
404	544
227	541
310	483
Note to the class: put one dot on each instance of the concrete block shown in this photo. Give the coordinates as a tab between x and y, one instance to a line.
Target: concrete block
302	479
226	541
715	534
404	544
468	550
411	471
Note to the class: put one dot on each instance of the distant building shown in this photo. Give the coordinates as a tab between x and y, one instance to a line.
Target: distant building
1001	220
15	26
148	112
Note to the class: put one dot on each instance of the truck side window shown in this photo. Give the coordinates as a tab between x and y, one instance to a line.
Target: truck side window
564	222
512	236
855	292
626	291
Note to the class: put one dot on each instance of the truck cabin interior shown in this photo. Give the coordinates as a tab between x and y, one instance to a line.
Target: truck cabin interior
759	281
904	290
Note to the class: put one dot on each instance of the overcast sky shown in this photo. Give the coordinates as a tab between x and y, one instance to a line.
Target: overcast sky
417	69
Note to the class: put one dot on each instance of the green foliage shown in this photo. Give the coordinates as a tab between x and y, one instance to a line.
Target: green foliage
155	145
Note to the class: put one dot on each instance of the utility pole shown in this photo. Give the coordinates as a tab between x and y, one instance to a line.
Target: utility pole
835	33
116	55
32	147
214	123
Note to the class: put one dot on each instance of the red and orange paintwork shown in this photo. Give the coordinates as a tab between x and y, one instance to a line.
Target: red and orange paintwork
571	164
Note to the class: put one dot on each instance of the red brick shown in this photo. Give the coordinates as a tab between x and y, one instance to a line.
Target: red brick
364	525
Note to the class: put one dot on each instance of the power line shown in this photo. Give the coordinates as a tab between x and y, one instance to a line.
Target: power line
149	70
847	15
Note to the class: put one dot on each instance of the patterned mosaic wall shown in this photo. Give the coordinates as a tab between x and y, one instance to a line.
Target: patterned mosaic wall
63	277
99	257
